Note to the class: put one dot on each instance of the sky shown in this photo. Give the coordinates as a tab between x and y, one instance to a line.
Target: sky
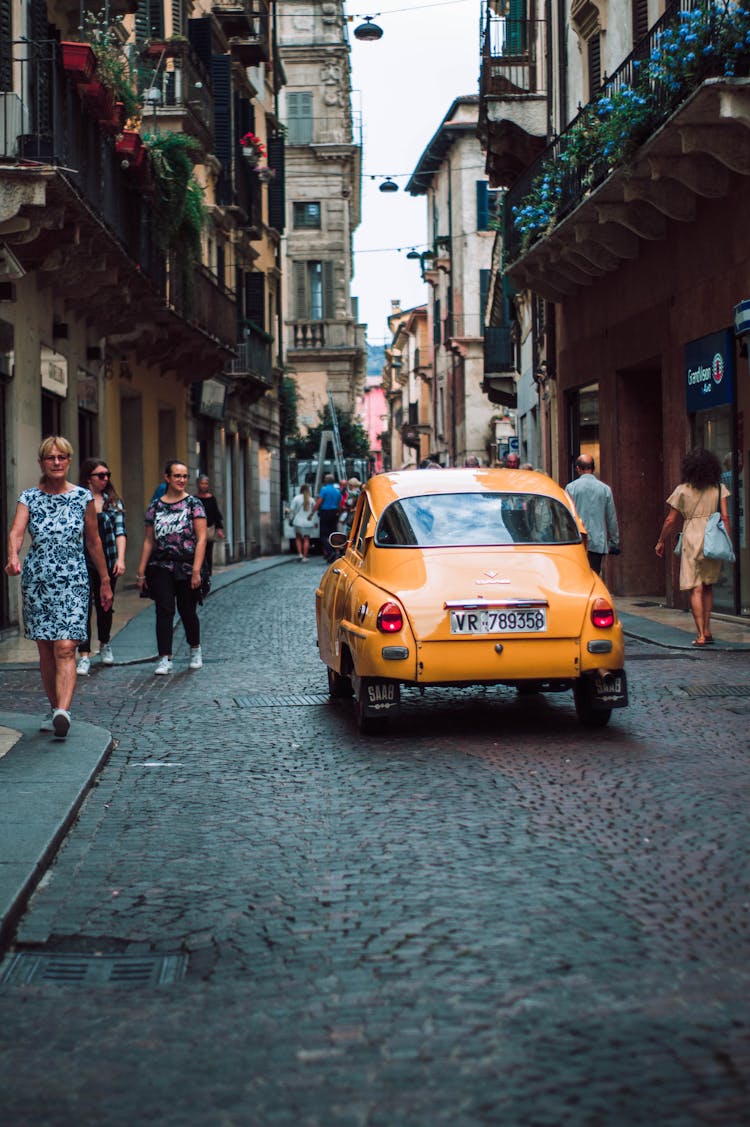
404	84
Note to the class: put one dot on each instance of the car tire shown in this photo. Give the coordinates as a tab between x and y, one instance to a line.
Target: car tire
588	716
339	687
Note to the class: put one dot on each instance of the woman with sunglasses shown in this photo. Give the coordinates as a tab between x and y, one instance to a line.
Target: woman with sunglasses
110	514
54	581
171	565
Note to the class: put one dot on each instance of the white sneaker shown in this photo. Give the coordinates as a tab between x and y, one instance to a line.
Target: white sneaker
46	724
105	653
196	658
60	722
164	667
83	667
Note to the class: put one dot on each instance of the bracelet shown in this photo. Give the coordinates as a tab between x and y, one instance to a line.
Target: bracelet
140	576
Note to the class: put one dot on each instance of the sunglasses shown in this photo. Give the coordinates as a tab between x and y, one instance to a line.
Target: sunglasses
101	475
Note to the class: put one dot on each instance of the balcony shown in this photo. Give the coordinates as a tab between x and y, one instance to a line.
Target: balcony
324	131
325	336
252	367
500	365
73	217
463	327
513	92
178	94
245	23
583	207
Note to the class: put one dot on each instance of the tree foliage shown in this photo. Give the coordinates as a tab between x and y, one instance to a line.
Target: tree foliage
354	440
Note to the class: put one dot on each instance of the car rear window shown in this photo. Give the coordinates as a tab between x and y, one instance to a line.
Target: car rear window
463	520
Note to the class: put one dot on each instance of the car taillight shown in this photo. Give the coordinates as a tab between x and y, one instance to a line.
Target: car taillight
602	614
390	618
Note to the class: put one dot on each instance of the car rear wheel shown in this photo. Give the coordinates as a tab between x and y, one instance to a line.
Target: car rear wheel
339	687
588	716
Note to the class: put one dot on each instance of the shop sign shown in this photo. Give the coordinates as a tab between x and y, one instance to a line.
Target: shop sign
54	368
213	394
88	392
709	371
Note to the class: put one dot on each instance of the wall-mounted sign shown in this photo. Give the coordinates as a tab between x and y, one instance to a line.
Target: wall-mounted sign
87	388
54	367
709	371
213	395
742	318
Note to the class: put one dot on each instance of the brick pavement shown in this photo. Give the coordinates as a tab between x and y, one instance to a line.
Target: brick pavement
489	916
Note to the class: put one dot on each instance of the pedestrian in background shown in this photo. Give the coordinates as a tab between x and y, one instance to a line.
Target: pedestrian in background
512	461
174	547
695	499
353	491
95	476
300	514
327	506
54	580
214	520
596	508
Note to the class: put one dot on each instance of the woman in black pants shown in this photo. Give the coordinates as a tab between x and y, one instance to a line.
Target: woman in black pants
174	548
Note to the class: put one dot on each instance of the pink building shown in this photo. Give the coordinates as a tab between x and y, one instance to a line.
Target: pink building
372	410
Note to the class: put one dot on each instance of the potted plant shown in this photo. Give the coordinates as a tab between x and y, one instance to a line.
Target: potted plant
112	67
170	48
179	210
253	149
78	60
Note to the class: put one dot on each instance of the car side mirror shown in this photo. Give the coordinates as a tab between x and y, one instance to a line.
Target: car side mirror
338	539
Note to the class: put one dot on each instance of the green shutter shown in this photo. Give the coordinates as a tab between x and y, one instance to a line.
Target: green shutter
483	210
299	117
6	45
221	76
301	310
255	299
277	187
328	292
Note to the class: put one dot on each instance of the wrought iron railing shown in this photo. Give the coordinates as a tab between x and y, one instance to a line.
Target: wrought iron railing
513	55
253	359
181	82
324	130
574	179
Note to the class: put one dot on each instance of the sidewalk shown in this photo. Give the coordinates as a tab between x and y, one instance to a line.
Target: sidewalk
42	790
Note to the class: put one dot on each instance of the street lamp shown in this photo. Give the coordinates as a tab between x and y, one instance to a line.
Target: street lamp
368	31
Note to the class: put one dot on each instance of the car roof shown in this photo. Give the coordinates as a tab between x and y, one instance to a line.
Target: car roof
384	488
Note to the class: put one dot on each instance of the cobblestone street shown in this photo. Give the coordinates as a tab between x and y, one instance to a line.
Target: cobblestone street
489	915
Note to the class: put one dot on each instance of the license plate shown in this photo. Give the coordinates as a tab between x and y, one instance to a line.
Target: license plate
611	689
498	621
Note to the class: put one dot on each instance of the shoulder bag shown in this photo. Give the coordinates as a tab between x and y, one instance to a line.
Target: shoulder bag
716	542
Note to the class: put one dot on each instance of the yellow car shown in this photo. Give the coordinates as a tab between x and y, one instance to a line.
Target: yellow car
467	576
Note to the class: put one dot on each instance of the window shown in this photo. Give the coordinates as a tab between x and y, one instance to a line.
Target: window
313	290
640	20
306	215
594	55
299	117
488	206
468	520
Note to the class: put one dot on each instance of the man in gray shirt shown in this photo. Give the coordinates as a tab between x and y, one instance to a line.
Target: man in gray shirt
596	508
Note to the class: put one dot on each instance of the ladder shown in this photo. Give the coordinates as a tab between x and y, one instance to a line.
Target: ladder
330	438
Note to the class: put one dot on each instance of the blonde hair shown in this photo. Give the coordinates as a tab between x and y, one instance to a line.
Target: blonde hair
62	444
305	491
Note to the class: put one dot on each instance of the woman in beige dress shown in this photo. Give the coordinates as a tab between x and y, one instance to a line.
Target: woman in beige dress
699	495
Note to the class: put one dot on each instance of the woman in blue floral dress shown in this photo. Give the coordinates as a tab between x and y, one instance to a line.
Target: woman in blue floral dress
54	579
174	549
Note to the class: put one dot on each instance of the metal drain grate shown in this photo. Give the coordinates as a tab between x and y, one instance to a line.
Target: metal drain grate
67	969
292	700
716	690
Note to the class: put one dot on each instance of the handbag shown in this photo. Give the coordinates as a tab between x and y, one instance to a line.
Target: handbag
716	542
678	545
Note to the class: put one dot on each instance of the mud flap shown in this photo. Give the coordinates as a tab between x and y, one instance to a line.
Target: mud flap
606	688
378	696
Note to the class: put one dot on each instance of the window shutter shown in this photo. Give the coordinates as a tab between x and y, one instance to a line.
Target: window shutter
6	44
593	46
299	117
178	18
199	37
277	187
300	291
221	74
436	327
484	289
515	28
483	209
640	20
255	299
328	292
149	20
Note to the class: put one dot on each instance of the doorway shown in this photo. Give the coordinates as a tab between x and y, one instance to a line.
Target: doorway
638	479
